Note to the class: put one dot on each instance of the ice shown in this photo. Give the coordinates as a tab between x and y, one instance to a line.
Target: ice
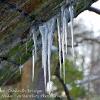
50	87
44	34
51	25
26	47
62	26
47	30
71	29
20	68
50	40
59	43
33	63
63	41
65	22
35	41
34	51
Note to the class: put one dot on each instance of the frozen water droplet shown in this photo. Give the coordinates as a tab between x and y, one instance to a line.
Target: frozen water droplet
21	67
51	25
49	87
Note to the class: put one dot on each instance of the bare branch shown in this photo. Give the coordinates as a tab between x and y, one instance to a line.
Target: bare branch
86	38
93	9
62	82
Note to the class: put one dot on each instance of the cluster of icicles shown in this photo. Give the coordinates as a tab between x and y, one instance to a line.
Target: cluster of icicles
47	32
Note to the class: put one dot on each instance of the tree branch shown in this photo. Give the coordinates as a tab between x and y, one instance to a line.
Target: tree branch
86	38
57	73
93	9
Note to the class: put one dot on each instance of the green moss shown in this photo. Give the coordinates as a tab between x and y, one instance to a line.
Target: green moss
18	53
13	51
81	5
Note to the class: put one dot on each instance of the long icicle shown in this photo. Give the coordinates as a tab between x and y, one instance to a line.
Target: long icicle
66	26
71	28
63	42
44	51
47	38
50	27
65	23
49	56
59	42
33	63
34	51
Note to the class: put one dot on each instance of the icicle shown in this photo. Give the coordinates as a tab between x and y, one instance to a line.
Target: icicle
63	41
63	56
59	42
50	24
26	47
44	33
34	51
33	63
71	28
49	55
65	32
66	26
20	68
47	37
35	41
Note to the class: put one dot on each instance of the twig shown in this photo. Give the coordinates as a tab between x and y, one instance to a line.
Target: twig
57	73
93	9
